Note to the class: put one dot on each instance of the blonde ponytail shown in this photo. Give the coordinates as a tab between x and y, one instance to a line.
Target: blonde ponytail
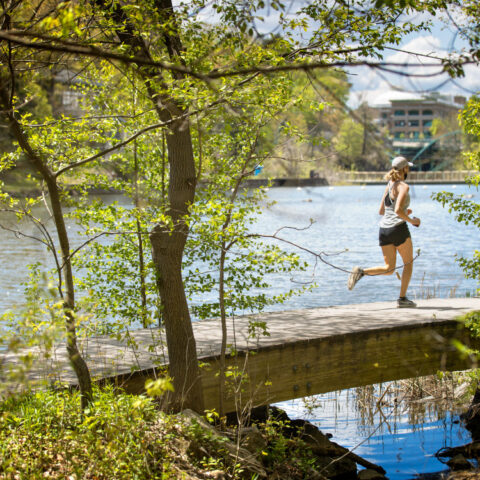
394	175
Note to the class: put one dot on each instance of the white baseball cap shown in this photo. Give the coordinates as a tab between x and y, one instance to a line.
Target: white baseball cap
400	162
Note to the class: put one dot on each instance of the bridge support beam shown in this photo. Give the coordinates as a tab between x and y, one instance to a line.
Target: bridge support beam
304	368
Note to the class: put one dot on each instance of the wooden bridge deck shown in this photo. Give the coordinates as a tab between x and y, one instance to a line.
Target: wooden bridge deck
305	352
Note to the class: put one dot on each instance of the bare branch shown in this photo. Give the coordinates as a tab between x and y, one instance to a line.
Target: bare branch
321	255
92	117
20	234
114	147
66	46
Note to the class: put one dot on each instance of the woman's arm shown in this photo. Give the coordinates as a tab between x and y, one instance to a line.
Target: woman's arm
402	190
381	210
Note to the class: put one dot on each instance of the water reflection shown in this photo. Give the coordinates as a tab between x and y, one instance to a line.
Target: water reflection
398	425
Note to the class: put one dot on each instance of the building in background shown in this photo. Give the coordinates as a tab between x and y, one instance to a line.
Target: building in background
409	117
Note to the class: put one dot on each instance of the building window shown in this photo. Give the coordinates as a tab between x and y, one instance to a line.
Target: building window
413	123
399	134
427	123
70	98
400	123
427	134
427	112
384	115
413	112
399	113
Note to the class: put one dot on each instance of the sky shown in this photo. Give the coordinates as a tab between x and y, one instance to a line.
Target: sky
372	87
376	89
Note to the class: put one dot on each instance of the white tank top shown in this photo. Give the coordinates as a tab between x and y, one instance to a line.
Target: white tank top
390	218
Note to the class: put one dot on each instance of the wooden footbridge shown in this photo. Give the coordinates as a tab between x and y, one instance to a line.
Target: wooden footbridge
414	177
306	352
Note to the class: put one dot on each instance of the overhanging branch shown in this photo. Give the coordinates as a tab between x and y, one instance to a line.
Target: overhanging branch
61	45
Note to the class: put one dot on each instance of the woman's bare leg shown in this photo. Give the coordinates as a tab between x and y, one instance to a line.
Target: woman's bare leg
406	252
390	258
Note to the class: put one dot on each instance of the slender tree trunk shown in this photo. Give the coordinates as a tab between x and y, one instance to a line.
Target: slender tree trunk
141	256
364	125
141	273
67	291
78	363
168	244
223	318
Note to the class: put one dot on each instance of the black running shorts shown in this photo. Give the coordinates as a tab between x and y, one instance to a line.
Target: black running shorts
394	235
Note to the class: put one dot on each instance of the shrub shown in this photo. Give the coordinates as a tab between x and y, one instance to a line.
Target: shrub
44	435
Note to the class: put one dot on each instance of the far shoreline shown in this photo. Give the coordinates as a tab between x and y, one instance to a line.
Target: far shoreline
335	180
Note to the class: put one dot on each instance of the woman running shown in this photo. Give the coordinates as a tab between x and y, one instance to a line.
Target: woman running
394	234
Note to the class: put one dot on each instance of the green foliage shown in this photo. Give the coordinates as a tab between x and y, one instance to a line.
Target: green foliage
292	456
466	210
349	142
471	126
472	322
413	5
222	224
111	271
158	387
44	434
114	269
31	332
120	436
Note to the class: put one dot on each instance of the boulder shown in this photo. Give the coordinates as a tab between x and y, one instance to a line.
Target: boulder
369	474
472	417
338	468
459	462
241	455
320	443
310	434
215	475
252	439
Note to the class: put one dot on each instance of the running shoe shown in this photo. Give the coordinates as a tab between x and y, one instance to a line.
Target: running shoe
405	303
356	274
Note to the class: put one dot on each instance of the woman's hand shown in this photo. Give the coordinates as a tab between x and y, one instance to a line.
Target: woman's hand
416	222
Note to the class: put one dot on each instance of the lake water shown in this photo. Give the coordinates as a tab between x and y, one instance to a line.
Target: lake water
401	437
345	218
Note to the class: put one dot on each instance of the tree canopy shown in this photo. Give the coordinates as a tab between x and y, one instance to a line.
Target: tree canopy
176	111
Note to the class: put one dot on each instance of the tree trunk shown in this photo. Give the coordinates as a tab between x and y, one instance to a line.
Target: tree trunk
167	249
141	256
168	244
182	354
67	291
223	319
